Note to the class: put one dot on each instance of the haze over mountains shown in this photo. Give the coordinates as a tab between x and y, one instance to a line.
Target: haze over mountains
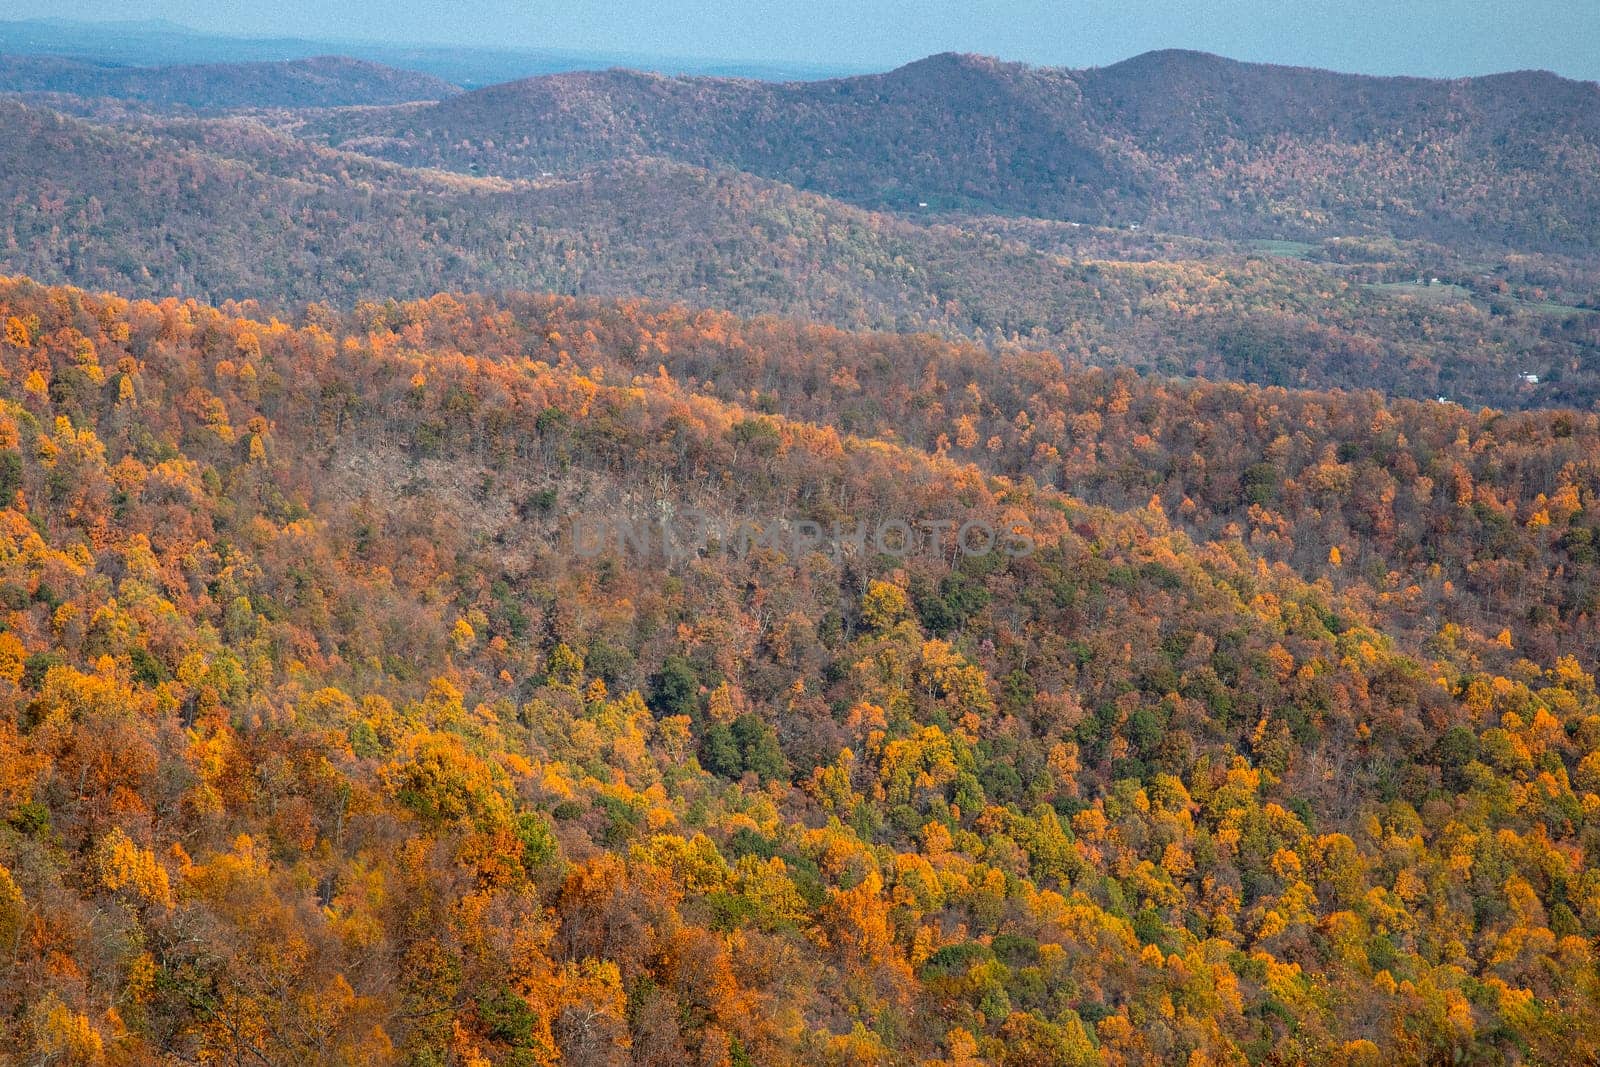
323	81
160	42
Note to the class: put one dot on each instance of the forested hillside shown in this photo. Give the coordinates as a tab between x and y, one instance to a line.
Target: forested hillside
1160	140
230	208
322	744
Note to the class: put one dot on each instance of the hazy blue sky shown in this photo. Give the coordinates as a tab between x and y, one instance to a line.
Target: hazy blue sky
1432	37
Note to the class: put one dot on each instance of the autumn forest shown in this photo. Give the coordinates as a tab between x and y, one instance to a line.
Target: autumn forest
322	743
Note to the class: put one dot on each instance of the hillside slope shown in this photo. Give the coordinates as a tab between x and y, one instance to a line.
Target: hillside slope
1164	140
323	743
229	209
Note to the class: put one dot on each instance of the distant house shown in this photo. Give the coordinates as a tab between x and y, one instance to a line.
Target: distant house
1531	379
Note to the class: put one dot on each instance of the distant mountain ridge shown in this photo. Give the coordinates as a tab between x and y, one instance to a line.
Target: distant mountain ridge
159	42
1181	140
321	81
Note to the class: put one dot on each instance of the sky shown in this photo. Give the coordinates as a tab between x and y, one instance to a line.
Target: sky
1426	37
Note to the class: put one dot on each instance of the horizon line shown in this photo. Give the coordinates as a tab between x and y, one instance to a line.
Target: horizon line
621	60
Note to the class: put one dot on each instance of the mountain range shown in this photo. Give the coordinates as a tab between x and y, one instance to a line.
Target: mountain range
796	199
969	565
1159	141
